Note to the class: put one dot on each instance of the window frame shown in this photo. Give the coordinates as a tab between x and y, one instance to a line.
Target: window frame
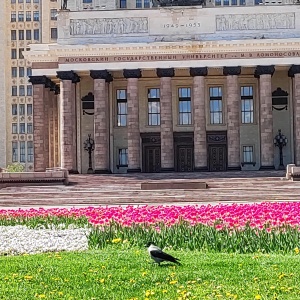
153	100
119	102
220	100
243	105
246	161
122	152
181	101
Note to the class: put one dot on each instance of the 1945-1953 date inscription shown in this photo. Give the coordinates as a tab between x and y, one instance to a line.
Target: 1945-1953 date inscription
189	25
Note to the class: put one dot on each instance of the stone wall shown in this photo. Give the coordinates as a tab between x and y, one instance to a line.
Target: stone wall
3	87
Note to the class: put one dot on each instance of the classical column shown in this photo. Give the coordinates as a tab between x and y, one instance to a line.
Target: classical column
56	127
200	147
101	129
39	127
51	125
66	119
294	72
233	117
264	73
75	80
166	120
133	126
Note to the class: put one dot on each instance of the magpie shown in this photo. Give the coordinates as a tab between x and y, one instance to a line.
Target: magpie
159	256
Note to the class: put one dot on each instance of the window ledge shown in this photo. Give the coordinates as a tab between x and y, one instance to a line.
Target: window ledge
122	166
248	163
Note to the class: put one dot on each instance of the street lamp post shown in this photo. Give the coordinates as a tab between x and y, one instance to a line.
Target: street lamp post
89	146
280	141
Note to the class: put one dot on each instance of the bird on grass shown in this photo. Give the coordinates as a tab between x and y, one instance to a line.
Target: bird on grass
159	256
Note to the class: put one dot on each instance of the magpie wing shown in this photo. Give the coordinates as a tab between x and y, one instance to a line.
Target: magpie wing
164	256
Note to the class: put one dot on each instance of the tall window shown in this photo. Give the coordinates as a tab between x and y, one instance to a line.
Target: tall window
13	53
138	4
22	128
122	107
21	16
14	109
22	152
153	107
36	16
15	151
21	35
29	128
13	35
215	105
21	71
14	72
29	109
13	16
36	34
53	13
28	34
247	104
21	90
123	4
123	157
185	109
53	33
22	109
28	16
21	50
146	3
29	90
30	151
14	128
14	90
248	152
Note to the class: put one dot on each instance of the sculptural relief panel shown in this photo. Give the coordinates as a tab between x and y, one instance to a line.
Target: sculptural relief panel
255	21
97	26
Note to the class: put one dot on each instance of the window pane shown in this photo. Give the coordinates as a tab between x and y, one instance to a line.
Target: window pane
15	151
121	94
248	154
22	152
30	151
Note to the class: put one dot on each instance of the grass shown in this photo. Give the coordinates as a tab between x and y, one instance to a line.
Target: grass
121	273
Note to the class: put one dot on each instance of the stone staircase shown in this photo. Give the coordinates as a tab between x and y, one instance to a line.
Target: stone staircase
86	190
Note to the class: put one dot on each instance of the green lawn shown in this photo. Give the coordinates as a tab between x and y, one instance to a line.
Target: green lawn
123	274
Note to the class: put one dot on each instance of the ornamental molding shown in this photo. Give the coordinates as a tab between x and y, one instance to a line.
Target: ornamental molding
266	49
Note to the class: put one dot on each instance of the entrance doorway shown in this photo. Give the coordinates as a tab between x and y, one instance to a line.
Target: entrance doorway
217	158
185	159
217	151
152	159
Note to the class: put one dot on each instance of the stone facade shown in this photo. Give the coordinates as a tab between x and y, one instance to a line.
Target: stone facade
208	128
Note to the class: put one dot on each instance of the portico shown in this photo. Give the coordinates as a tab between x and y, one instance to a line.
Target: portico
165	106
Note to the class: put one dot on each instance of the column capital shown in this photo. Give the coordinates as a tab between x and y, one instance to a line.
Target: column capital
38	79
167	72
231	71
76	78
264	70
132	73
67	75
101	74
294	69
200	71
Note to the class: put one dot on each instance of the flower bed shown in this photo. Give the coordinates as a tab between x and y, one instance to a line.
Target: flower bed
244	228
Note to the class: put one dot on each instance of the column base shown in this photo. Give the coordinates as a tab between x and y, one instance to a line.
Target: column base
102	171
134	170
90	171
200	169
73	172
237	168
167	170
266	168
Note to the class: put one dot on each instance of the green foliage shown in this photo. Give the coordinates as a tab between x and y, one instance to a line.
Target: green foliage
44	221
283	239
15	167
118	273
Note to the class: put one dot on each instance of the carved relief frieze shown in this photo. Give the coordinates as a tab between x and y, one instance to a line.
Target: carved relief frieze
255	21
97	26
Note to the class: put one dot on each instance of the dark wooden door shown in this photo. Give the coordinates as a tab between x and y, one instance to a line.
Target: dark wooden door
152	159
185	159
217	158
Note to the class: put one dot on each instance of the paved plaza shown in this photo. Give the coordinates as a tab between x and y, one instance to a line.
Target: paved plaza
85	190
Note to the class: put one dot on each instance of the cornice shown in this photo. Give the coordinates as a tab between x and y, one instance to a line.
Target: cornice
51	53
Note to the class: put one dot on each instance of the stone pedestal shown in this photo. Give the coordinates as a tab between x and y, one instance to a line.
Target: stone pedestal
166	120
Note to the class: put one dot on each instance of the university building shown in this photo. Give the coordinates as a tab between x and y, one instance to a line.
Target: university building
166	87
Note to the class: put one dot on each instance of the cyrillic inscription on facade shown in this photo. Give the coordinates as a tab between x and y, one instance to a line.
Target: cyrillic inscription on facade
255	22
97	26
178	57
